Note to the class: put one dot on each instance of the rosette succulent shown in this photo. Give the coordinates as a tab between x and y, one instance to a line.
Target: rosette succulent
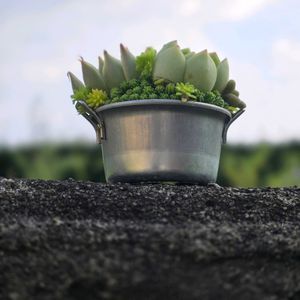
170	73
201	71
169	63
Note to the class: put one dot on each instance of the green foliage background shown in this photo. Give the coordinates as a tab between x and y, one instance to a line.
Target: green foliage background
241	166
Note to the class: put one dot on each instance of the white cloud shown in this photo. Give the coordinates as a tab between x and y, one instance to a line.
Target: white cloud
37	72
273	104
240	9
286	59
225	10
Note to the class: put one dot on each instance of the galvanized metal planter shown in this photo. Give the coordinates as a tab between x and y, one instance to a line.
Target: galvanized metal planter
160	140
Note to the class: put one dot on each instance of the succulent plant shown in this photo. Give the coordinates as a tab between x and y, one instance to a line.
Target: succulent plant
215	58
169	63
222	75
230	87
234	100
186	51
91	76
80	94
201	71
112	71
189	55
172	73
186	91
145	63
75	82
235	92
96	98
101	63
168	45
128	63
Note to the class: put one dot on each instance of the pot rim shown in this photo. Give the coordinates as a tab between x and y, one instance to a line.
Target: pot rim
144	102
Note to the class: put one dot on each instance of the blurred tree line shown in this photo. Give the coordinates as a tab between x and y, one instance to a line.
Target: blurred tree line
241	165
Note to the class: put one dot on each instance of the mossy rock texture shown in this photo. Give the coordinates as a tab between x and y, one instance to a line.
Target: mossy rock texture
86	240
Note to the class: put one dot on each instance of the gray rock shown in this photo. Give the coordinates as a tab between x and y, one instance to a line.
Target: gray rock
85	240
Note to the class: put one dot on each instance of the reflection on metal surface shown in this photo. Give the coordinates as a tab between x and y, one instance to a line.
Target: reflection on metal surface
157	140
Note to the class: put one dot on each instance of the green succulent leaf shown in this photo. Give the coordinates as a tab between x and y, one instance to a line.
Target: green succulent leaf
186	91
201	71
96	98
222	75
75	82
115	93
81	94
172	73
215	58
235	101
214	98
169	63
92	97
171	88
128	63
186	51
235	92
189	55
230	86
91	76
112	71
101	63
145	63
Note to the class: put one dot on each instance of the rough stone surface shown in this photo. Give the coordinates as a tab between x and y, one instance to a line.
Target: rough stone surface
84	240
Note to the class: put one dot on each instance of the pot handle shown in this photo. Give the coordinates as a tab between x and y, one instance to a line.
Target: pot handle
234	117
94	120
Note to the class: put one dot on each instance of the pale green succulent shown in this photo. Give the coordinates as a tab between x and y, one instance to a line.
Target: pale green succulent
222	75
101	63
201	71
168	45
128	63
169	63
186	51
91	76
215	58
75	82
112	71
189	55
172	72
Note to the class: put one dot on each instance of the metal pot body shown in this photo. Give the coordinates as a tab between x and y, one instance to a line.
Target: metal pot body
161	140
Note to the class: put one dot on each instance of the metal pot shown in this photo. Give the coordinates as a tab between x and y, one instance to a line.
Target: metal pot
160	140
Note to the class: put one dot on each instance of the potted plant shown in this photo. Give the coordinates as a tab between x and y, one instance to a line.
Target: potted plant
160	116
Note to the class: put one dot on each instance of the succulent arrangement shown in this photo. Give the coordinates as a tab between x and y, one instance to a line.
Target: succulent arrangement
171	73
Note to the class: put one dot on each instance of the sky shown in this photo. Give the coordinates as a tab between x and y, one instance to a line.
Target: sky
42	40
